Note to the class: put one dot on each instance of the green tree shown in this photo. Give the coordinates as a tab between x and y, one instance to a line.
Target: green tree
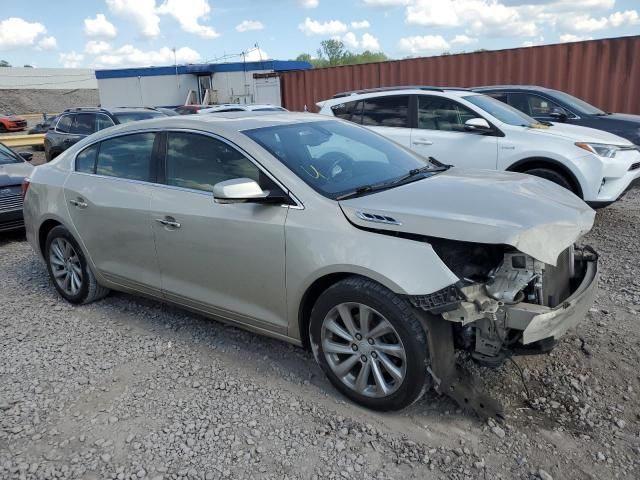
4	63
333	50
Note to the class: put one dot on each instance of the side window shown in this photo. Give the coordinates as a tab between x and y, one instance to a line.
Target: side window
128	156
84	124
102	122
498	96
199	162
532	105
440	113
86	159
388	111
64	125
344	110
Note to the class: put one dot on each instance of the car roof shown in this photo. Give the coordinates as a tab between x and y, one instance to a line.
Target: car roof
372	93
230	121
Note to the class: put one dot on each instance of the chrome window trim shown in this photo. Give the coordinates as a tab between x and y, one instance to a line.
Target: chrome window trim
298	204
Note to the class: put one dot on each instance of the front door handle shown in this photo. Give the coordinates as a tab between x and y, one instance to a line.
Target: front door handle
168	222
79	203
422	141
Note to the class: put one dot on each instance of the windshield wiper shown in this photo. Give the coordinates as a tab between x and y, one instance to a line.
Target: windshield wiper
398	181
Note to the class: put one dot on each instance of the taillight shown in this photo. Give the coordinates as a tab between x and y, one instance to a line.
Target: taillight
25	186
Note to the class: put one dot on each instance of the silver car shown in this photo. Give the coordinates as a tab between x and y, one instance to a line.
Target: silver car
324	234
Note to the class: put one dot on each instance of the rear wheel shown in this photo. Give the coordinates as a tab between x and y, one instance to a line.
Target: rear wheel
552	175
68	268
370	344
3	129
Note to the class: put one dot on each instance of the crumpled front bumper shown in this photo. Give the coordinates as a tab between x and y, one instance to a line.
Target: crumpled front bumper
539	322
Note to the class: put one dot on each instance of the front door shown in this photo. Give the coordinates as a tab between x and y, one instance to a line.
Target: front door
225	259
441	134
388	115
108	196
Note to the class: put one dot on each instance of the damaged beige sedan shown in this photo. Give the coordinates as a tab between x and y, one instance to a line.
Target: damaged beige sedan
323	234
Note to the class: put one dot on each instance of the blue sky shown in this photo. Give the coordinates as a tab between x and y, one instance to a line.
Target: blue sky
121	33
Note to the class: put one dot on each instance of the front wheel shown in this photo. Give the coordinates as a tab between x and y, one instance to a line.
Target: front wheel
553	176
370	344
68	268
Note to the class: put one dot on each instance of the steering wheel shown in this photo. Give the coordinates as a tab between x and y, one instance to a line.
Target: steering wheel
341	165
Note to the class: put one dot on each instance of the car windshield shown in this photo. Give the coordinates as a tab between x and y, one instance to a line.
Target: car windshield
126	117
580	106
337	158
7	156
503	112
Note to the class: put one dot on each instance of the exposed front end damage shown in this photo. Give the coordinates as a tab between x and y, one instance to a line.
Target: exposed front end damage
520	306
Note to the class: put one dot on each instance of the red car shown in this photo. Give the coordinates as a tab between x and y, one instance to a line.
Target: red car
11	123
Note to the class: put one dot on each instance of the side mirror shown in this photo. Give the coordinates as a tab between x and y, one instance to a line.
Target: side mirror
479	125
559	114
26	155
244	190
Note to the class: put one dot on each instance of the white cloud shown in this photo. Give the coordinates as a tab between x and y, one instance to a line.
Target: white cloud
423	44
385	3
189	13
463	40
130	56
585	23
487	17
141	12
313	27
99	27
47	43
247	25
309	3
71	59
369	42
350	40
16	32
570	37
361	24
93	47
256	55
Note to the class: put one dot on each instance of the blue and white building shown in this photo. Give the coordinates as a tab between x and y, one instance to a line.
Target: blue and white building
241	82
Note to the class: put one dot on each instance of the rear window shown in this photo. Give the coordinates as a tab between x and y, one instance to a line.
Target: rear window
127	157
388	111
64	125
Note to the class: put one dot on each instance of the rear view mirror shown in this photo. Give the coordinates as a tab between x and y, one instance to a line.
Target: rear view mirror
559	114
477	125
244	190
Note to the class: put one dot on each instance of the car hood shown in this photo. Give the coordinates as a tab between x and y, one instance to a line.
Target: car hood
577	133
533	215
622	124
13	173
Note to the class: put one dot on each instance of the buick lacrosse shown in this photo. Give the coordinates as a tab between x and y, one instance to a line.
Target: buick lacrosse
324	234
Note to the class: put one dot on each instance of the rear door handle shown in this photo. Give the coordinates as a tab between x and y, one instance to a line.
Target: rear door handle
422	141
168	222
79	203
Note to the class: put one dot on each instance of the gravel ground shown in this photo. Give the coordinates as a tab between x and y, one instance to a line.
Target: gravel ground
129	388
39	100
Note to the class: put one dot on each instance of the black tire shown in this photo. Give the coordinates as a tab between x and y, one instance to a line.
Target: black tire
399	313
553	176
89	290
3	129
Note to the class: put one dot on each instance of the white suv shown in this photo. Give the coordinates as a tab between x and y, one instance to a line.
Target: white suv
462	128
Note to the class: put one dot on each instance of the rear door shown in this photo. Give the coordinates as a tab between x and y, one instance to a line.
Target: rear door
108	198
441	134
225	259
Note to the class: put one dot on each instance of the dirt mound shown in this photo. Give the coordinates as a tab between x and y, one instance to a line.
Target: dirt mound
51	101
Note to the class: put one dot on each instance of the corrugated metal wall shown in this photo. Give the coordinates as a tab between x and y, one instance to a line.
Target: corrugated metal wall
605	73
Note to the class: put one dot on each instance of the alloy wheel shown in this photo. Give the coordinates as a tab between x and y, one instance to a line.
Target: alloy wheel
65	266
363	350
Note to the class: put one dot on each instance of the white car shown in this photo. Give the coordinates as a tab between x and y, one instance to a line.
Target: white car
463	128
236	107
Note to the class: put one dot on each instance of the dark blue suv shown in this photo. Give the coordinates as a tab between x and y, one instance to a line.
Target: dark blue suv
546	104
